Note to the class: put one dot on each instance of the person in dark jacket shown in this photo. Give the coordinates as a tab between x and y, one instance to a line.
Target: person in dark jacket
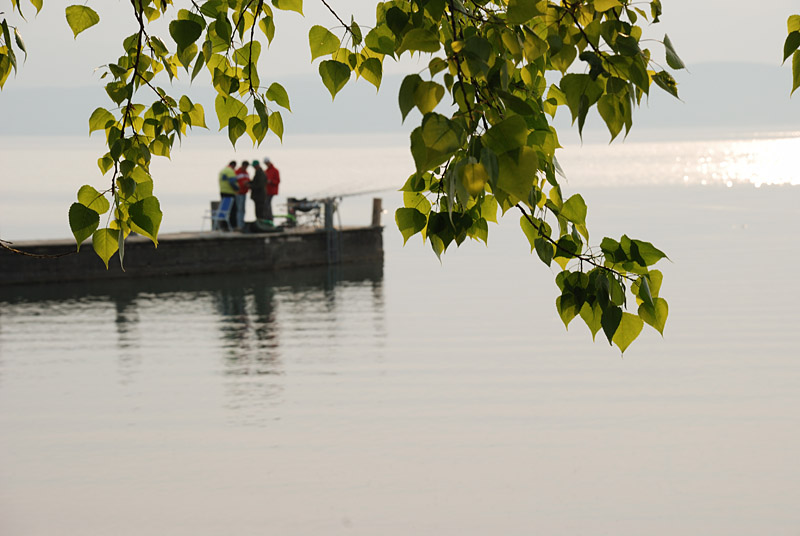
242	187
258	190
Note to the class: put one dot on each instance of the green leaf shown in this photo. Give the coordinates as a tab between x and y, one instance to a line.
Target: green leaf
261	110
427	95
144	183
186	55
435	141
105	163
118	91
198	65
791	44
611	109
267	26
105	243
126	187
197	116
185	32
665	81
641	288
5	69
581	92
673	60
656	278
793	23
355	32
381	39
488	208
100	120
507	135
371	70
629	328
248	54
406	94
397	20
566	249
545	250
517	170
121	249
256	128
627	45
275	123
146	218
436	65
531	232
277	94
228	107
236	129
223	28
566	310
82	222
289	5
416	200
795	71
410	221
648	252
334	75
521	10
20	42
474	178
656	315
612	316
592	316
605	5
639	75
37	4
574	209
80	18
91	198
322	42
161	146
421	40
480	231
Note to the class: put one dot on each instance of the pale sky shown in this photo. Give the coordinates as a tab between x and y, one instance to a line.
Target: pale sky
701	30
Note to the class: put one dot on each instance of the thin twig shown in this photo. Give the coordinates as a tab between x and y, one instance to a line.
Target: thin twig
336	15
5	245
458	63
589	259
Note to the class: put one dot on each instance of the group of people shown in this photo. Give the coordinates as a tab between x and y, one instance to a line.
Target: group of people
263	186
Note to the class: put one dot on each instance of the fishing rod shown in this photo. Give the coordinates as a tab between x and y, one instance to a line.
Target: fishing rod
322	197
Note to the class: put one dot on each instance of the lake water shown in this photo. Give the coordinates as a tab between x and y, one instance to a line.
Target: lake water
412	397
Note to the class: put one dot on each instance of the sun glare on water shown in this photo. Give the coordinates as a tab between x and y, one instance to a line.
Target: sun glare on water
755	161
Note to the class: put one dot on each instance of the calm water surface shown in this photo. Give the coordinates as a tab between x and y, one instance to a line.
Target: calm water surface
419	398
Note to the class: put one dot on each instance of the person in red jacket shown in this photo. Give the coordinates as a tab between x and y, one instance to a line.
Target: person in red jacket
273	180
243	184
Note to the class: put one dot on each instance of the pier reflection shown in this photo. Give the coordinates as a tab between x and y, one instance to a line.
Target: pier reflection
246	325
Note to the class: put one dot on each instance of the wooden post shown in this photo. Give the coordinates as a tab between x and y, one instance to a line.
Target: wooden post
377	209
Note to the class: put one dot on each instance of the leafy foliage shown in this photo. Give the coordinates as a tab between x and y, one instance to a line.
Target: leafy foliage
495	146
497	75
791	48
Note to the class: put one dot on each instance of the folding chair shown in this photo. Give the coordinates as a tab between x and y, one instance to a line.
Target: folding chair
220	213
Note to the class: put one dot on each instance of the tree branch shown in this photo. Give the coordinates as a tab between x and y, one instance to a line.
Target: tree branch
587	258
5	245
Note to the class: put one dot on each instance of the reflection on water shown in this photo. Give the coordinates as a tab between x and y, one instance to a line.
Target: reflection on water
249	321
337	404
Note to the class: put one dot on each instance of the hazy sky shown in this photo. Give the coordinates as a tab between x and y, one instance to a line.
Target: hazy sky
702	31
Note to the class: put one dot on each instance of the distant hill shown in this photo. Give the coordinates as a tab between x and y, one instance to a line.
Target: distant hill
737	96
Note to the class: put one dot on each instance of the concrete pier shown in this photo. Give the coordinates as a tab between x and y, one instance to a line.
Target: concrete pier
193	253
